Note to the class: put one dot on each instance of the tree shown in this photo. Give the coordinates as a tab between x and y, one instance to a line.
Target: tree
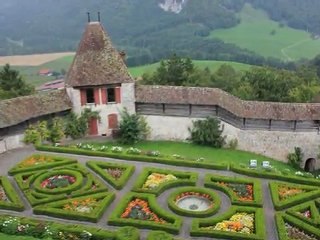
295	159
56	132
133	128
207	132
37	134
12	84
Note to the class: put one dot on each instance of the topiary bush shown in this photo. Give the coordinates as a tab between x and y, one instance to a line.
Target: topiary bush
159	235
127	233
207	132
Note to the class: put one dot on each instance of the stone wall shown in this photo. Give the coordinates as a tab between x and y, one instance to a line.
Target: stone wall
127	101
274	144
11	142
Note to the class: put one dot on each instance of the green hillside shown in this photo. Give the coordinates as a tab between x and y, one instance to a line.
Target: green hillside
31	76
268	38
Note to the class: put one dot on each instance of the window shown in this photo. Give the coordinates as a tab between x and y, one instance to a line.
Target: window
90	95
111	95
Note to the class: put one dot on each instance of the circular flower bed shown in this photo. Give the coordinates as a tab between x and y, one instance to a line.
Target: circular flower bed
194	202
58	181
154	180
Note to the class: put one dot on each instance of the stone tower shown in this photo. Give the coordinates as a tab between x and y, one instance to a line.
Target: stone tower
98	79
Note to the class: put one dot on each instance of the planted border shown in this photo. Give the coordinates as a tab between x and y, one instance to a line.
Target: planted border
282	218
184	179
172	224
315	216
213	210
198	225
89	185
211	182
294	200
100	169
132	157
57	161
78	229
14	202
55	209
270	175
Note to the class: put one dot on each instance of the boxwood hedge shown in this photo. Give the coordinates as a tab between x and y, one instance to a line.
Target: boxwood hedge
184	179
199	229
172	224
100	169
282	219
14	202
133	157
313	207
211	181
56	209
312	193
195	214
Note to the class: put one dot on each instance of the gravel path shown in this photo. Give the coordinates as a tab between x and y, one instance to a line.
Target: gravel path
9	159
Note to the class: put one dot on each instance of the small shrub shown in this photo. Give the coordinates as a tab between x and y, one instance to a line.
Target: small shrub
159	235
133	128
37	134
207	132
56	130
233	144
295	158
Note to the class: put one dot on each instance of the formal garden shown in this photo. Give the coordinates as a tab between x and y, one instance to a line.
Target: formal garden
132	189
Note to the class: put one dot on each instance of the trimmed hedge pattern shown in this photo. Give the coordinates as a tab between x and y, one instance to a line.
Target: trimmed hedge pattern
100	169
56	161
132	157
213	210
29	183
270	175
211	181
314	209
55	209
312	193
14	202
260	234
282	218
173	223
97	233
184	179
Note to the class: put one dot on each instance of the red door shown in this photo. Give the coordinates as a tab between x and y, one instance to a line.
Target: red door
93	126
113	121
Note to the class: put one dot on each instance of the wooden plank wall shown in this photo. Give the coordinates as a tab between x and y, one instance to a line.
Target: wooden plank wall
202	111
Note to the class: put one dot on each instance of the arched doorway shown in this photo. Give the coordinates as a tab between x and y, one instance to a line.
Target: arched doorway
310	165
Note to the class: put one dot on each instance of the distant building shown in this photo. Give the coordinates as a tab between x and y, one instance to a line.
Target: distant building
45	72
56	84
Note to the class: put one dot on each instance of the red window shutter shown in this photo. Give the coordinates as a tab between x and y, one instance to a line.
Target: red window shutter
104	95
97	96
83	97
118	94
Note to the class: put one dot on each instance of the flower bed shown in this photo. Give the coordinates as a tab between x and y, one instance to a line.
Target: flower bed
58	181
154	180
115	174
9	198
239	223
203	197
86	208
40	161
289	195
242	191
139	209
157	180
295	233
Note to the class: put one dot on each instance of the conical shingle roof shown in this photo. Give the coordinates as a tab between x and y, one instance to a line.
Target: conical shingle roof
97	62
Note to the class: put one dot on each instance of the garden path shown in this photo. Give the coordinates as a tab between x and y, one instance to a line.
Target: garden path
9	159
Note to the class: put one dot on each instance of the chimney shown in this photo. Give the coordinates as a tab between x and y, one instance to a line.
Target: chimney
89	20
99	19
123	55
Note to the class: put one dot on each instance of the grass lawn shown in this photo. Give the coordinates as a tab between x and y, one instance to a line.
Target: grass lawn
209	154
12	237
254	33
